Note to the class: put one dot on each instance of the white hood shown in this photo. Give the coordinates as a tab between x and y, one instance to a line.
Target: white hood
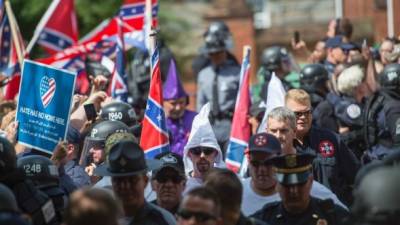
202	134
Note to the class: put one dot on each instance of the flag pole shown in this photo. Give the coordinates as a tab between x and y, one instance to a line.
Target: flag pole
14	29
148	21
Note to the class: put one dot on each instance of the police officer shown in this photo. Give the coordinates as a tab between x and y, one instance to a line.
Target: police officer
313	79
294	176
93	150
220	29
30	200
45	176
274	59
127	167
218	84
350	109
121	111
9	212
377	197
382	115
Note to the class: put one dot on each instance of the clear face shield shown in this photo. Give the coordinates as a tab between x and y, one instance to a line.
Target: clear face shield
92	152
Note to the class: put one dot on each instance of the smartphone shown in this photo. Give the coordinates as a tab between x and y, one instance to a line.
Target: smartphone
90	111
296	36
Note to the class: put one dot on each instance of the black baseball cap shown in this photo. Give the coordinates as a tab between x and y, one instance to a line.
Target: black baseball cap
171	160
263	142
293	169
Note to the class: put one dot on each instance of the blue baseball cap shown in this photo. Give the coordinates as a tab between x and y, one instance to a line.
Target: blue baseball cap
334	42
263	142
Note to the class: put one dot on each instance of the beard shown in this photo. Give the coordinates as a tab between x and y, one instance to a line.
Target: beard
203	166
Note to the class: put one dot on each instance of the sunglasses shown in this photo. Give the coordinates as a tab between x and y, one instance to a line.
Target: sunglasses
200	217
258	163
205	150
164	179
303	113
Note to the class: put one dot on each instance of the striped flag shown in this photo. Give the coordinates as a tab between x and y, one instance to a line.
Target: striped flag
47	90
241	130
119	87
58	29
9	63
154	138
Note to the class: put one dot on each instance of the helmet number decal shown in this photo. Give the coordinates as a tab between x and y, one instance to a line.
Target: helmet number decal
115	116
32	168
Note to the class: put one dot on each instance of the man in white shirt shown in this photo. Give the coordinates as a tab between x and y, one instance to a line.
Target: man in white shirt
260	188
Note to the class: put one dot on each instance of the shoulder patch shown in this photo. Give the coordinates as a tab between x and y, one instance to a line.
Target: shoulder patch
326	148
353	111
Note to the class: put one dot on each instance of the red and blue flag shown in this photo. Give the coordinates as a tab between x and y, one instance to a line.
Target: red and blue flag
57	30
119	87
154	138
240	132
9	63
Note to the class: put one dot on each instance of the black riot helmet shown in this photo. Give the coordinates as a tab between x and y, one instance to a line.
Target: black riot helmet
313	77
377	198
214	43
218	28
40	170
103	129
389	79
273	57
8	159
119	111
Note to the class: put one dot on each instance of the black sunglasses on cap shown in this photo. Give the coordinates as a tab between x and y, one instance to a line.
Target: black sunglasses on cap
200	217
198	150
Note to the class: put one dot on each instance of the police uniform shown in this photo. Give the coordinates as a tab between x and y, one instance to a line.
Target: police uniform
295	169
324	113
224	98
335	166
77	173
350	114
126	158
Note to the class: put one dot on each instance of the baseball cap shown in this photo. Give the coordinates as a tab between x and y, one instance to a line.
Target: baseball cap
263	142
334	42
172	160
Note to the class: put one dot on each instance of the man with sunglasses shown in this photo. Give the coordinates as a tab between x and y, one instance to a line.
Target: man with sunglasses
201	206
335	166
202	152
260	188
169	181
295	179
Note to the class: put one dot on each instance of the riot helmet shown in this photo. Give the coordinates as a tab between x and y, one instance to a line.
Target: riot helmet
313	77
273	57
8	203
377	199
214	43
220	29
119	111
40	170
96	140
8	159
389	79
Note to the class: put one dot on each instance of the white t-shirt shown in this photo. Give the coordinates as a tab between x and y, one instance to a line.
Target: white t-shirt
252	202
191	183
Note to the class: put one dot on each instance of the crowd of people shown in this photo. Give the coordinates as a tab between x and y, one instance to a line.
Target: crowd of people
329	155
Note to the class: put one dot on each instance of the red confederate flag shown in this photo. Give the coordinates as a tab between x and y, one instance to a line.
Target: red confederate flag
57	29
154	138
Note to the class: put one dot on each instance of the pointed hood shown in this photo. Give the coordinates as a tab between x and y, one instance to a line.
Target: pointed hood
173	88
202	134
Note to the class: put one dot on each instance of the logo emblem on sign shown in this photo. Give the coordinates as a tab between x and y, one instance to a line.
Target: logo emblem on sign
326	148
47	90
